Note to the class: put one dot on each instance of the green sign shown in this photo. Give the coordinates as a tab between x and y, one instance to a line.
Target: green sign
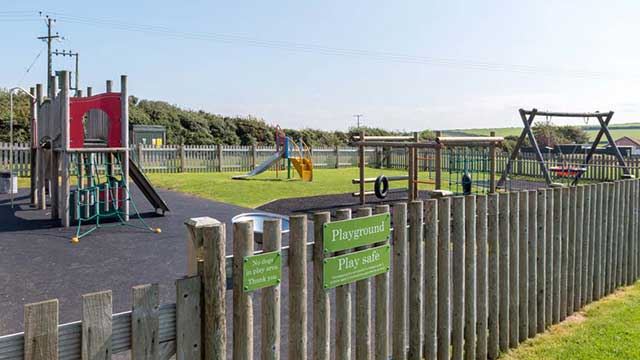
263	270
349	234
348	268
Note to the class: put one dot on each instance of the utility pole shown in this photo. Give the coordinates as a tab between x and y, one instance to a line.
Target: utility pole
77	73
48	38
358	116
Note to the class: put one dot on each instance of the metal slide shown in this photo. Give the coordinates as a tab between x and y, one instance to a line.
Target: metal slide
145	186
263	166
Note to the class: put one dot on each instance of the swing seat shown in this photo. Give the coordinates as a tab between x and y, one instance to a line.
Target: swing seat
567	171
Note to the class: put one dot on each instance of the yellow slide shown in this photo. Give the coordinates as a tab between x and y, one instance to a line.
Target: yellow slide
304	167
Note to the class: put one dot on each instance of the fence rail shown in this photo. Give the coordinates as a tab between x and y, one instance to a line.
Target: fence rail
470	277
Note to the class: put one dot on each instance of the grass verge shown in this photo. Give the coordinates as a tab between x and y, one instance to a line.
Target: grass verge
606	329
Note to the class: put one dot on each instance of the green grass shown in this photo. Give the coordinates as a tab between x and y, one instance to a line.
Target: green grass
266	187
606	329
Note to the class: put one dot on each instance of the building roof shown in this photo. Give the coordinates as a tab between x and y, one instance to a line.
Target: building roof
629	139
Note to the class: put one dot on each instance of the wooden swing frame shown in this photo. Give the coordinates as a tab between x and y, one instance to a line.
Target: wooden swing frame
528	117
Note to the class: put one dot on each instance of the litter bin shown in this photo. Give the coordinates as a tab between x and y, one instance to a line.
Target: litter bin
8	183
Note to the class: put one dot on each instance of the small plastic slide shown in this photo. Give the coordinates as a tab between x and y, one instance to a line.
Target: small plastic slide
262	167
145	186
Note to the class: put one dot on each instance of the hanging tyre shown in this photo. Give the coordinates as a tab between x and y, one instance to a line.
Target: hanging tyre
381	187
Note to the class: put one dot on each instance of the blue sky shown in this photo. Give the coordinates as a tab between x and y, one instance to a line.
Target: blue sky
404	65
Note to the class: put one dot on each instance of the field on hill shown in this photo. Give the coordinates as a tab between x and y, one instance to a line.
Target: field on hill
617	131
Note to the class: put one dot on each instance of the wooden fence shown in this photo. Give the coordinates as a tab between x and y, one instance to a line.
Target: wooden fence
470	277
220	158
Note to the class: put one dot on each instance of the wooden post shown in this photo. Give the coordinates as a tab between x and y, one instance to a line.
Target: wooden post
124	128
504	263
458	235
549	258
585	244
492	165
611	204
272	241
557	253
541	252
109	86
577	269
321	306
598	245
41	167
33	148
532	266
214	287
220	161
363	307
382	306
64	192
430	279
361	165
189	318
564	253
145	323
514	267
399	283
96	325
438	164
470	291
571	246
416	306
444	281
242	301
41	330
337	153
298	287
591	217
183	160
343	307
493	276
523	268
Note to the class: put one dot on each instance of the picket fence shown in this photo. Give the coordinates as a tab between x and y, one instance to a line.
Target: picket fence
470	277
227	158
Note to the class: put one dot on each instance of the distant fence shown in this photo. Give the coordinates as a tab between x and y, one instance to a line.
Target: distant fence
228	158
469	276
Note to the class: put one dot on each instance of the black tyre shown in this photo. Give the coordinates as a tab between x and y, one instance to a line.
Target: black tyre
381	187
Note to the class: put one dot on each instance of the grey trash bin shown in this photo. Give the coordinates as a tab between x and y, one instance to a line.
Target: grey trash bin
8	183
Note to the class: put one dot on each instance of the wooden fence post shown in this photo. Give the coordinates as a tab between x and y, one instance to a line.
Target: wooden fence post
548	257
564	252
514	267
540	243
611	204
219	152
557	252
571	246
363	306
272	241
188	318
382	306
96	325
493	276
399	280
41	330
145	322
482	276
444	281
321	306
337	152
242	301
183	160
139	148
532	266
416	249
505	283
298	287
597	294
592	209
343	306
577	301
430	279
470	290
523	266
457	302
214	288
438	164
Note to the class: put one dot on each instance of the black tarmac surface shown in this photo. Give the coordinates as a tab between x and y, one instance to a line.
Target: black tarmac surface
38	262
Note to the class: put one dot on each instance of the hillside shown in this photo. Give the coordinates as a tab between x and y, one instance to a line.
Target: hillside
617	131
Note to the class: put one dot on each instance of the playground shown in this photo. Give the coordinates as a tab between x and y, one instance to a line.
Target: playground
90	224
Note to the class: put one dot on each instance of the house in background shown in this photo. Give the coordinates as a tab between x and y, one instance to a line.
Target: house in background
629	142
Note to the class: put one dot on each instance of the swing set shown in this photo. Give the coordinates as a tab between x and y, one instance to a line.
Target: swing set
565	169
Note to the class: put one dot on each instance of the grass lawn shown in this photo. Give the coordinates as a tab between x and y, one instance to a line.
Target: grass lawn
265	187
607	329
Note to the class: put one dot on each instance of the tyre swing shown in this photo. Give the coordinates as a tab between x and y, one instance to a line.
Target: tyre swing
381	187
